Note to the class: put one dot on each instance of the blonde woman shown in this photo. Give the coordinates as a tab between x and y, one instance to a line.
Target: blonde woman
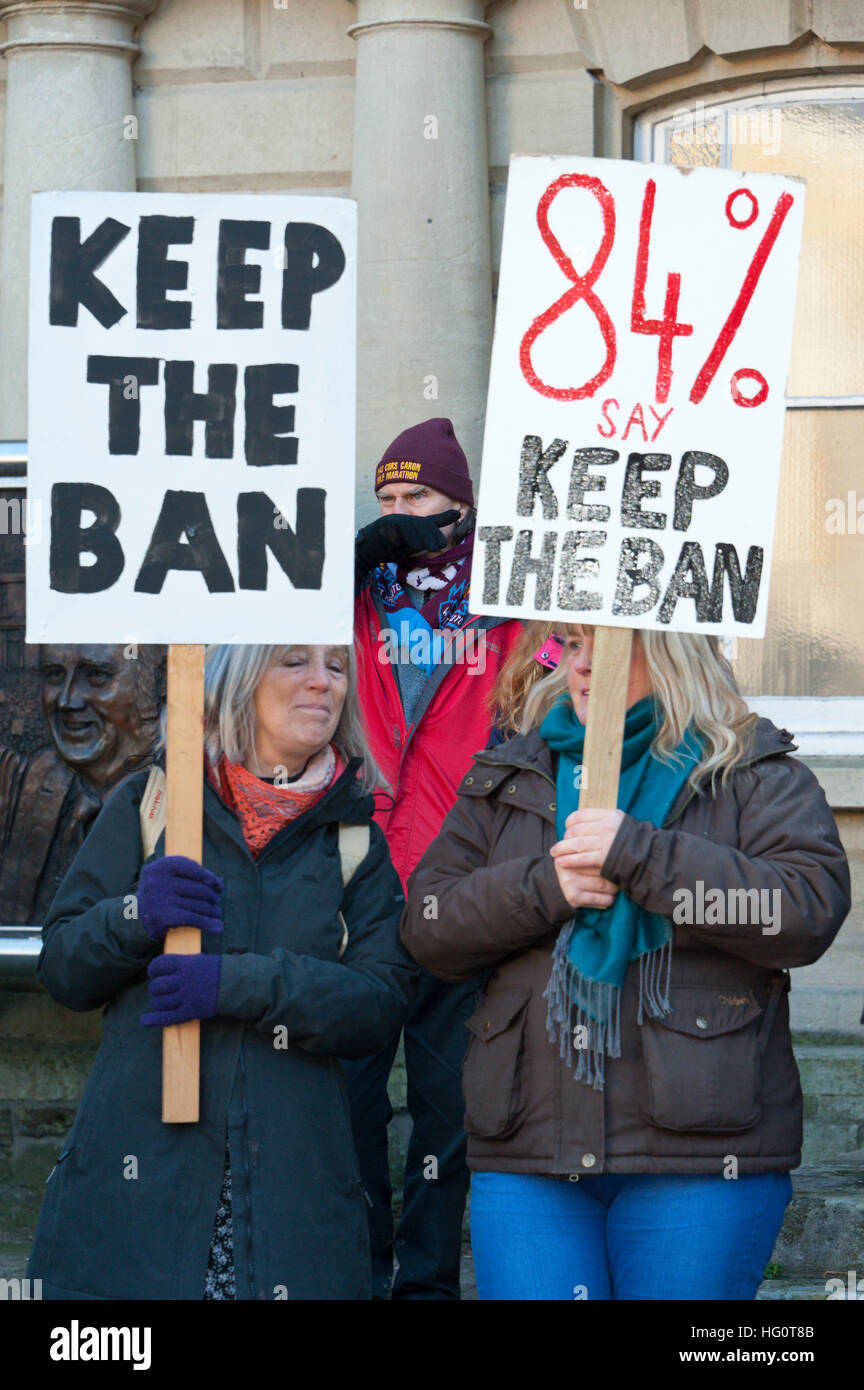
301	964
633	1106
535	653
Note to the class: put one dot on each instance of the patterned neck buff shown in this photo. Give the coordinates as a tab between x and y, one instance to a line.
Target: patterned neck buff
264	808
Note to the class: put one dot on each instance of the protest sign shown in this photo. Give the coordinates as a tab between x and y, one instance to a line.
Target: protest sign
634	422
192	383
192	365
636	397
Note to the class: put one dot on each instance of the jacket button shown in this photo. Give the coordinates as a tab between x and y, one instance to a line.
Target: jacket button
553	805
573	1177
701	1022
588	1160
469	781
510	791
489	783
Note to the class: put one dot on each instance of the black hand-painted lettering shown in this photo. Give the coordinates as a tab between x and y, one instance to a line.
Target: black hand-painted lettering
124	376
156	274
262	527
314	260
72	278
70	540
268	424
234	278
184	514
184	405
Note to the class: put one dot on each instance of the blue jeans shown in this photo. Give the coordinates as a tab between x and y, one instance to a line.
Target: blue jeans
624	1236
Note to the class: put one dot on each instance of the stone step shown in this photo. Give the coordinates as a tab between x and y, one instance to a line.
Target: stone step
832	1079
823	1230
832	1126
792	1290
831	1007
831	1068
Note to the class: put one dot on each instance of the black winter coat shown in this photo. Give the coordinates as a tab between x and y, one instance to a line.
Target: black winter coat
288	1008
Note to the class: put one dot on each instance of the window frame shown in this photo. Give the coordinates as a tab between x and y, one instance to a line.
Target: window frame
825	726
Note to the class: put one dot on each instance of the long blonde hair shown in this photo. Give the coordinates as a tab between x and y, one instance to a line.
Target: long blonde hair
519	674
696	689
231	676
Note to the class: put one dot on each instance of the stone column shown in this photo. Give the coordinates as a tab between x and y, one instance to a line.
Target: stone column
69	124
422	183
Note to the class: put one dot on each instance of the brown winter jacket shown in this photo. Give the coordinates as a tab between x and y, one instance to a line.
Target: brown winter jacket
714	1080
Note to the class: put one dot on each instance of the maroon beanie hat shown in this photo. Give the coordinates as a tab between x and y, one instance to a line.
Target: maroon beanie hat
429	454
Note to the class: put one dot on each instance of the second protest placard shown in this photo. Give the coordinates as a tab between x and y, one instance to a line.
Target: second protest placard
635	415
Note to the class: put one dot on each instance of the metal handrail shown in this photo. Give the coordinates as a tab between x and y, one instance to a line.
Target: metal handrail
19	952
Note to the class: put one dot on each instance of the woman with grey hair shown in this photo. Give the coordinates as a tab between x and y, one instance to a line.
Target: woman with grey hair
298	904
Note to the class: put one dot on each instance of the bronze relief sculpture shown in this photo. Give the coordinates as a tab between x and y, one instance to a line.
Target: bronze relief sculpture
102	705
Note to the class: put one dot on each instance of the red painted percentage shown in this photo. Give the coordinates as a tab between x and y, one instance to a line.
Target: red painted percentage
582	288
724	338
668	328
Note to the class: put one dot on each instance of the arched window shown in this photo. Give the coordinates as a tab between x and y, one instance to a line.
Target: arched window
813	653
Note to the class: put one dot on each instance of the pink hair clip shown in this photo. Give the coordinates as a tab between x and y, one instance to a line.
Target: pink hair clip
550	653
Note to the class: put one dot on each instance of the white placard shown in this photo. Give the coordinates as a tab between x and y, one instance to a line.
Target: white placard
191	435
634	424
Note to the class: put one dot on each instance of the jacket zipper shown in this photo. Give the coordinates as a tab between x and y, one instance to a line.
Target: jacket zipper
411	729
250	1258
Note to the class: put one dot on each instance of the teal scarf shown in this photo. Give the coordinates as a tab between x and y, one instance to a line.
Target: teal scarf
595	948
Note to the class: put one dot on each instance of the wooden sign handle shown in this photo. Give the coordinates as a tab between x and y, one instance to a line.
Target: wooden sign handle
184	808
604	727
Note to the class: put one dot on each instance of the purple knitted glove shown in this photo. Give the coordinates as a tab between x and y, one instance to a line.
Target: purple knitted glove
182	987
177	892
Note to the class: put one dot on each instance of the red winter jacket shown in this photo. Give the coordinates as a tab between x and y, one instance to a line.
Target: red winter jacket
424	763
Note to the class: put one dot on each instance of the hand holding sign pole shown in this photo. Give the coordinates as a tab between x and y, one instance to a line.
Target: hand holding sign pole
655	477
158	323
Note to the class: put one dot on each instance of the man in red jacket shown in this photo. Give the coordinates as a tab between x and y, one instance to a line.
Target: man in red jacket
426	669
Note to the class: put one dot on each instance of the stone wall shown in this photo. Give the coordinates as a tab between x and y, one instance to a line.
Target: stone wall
45	1058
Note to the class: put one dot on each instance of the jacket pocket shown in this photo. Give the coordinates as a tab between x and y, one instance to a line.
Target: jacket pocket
703	1062
494	1064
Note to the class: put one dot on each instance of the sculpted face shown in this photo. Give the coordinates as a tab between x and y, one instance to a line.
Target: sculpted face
89	699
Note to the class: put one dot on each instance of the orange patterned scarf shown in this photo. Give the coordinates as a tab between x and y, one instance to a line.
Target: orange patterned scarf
263	808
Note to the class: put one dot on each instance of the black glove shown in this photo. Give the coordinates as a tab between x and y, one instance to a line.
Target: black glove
398	538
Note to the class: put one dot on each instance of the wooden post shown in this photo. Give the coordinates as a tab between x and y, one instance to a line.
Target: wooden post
184	768
604	728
